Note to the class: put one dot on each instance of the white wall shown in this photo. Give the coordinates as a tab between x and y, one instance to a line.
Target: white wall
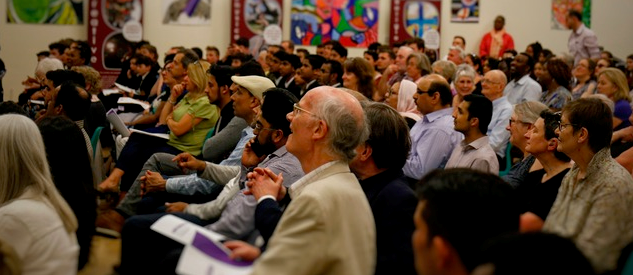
527	21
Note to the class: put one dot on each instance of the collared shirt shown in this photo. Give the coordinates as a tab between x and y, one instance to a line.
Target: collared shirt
300	184
192	184
238	218
583	43
433	139
497	133
595	212
556	100
87	139
477	155
526	89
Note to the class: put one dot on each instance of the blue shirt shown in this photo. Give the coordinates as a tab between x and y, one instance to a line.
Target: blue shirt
526	89
497	133
433	139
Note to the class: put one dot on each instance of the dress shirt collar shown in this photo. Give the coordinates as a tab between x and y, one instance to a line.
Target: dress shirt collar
430	117
499	101
296	188
477	144
580	29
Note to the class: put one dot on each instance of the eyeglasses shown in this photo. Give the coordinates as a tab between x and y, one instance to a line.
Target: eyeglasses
512	121
488	81
259	127
562	126
296	110
420	92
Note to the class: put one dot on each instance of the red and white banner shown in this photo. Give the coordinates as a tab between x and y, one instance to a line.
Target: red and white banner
113	25
416	18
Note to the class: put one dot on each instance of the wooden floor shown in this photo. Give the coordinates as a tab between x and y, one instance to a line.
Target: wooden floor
105	254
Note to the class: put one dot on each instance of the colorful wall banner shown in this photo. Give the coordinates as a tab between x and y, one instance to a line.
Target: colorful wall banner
257	20
465	11
560	8
354	23
60	12
416	18
113	26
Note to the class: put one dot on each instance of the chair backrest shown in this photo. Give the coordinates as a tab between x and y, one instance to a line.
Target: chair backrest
95	138
508	161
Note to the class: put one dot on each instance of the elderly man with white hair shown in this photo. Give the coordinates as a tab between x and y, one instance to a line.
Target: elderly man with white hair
492	87
328	228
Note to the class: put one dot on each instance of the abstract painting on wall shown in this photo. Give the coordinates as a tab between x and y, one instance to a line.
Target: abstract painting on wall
59	12
560	8
187	12
465	11
416	18
354	23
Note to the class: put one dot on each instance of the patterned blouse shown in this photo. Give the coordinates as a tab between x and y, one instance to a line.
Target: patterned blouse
595	212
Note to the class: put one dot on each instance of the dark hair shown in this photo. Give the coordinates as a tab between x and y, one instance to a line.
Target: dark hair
536	49
467	208
198	51
65	145
188	58
294	60
493	63
441	87
277	104
60	76
593	115
388	135
479	68
373	46
511	51
388	50
365	74
338	48
530	61
547	53
250	67
242	41
142	60
84	51
419	42
169	58
551	122
10	107
460	37
373	54
150	48
336	68
222	74
481	108
60	47
559	71
535	253
316	61
43	53
575	13
304	51
213	49
75	102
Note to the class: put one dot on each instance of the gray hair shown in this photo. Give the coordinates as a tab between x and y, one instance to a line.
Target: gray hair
345	131
460	51
465	70
529	111
423	64
48	64
448	69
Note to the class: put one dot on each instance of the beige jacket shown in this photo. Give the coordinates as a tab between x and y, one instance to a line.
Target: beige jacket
328	228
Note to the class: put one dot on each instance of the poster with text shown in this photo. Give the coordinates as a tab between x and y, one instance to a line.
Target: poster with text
114	25
257	20
187	12
465	11
560	8
354	23
416	18
60	12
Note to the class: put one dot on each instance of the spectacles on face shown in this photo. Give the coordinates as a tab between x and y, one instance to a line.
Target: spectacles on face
296	110
562	126
512	121
420	92
488	81
259	127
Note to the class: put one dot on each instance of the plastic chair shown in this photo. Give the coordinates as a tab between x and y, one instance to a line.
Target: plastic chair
508	161
95	139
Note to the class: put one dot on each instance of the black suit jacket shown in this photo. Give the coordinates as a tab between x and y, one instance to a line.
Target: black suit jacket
291	87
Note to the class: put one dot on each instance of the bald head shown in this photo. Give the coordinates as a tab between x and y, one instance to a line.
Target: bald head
344	118
436	94
493	84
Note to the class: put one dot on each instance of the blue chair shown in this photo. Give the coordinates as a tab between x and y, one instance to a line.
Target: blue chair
508	161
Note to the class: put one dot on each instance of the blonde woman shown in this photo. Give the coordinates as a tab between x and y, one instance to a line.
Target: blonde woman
34	218
189	121
612	83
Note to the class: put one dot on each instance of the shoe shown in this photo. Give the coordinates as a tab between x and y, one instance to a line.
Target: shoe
110	223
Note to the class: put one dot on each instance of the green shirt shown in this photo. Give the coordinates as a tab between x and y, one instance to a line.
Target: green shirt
192	141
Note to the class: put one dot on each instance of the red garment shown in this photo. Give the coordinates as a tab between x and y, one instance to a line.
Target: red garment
486	42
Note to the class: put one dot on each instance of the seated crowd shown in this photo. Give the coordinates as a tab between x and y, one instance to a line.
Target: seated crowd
397	162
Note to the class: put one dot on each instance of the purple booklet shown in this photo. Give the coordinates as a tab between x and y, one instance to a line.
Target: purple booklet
216	250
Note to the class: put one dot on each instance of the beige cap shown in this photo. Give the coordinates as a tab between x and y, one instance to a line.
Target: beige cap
256	85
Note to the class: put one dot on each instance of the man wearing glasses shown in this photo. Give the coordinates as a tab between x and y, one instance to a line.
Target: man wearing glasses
492	87
433	137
